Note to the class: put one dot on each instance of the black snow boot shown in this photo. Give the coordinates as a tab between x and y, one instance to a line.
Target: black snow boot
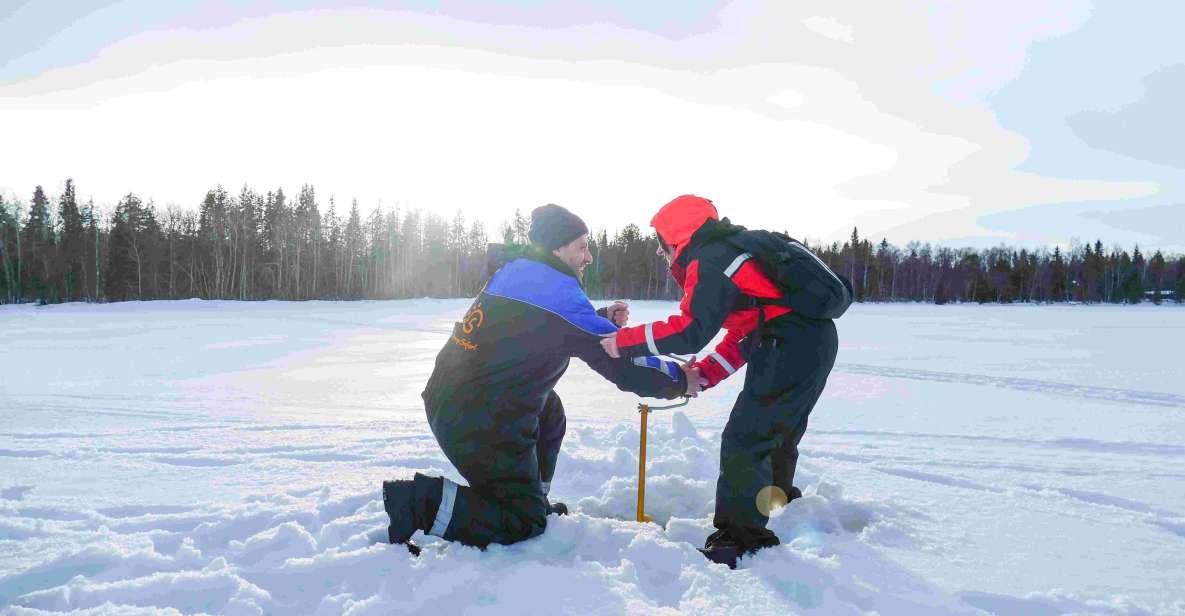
398	497
720	533
556	508
726	546
411	504
720	548
724	552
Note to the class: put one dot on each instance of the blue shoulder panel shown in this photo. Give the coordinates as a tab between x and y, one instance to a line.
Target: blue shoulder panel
542	286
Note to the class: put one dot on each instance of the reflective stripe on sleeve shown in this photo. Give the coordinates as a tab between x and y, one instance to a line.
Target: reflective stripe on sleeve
669	368
444	515
723	362
650	339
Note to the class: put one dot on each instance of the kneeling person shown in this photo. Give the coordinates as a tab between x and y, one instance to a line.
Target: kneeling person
490	402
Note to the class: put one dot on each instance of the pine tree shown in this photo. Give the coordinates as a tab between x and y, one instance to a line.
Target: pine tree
1017	279
883	257
854	247
333	255
9	264
394	239
434	267
1131	285
1156	274
1179	287
213	238
521	228
1058	282
1000	272
376	225
37	240
244	230
303	242
72	245
1094	272
413	245
173	230
353	241
478	244
94	252
506	231
457	249
276	225
130	256
630	277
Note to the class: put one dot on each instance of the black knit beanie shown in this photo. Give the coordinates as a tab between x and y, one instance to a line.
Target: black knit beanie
553	226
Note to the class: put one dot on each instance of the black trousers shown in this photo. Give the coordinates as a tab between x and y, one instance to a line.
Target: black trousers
505	501
759	447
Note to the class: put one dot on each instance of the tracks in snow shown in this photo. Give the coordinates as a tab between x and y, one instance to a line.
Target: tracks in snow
1109	394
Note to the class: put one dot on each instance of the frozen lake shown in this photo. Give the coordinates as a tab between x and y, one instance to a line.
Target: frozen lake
225	457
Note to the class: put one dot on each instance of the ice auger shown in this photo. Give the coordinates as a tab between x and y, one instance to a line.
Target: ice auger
644	410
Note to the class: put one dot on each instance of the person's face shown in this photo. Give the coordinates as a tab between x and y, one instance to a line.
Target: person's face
575	255
663	252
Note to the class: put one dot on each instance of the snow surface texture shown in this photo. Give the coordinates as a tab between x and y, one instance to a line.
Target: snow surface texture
211	457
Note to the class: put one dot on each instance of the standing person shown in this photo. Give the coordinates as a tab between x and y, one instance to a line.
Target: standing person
490	402
789	358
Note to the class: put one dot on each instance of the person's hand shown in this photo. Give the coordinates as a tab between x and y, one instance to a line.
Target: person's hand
619	313
695	382
609	343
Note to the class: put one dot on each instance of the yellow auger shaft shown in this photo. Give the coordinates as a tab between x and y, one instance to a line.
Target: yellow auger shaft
643	410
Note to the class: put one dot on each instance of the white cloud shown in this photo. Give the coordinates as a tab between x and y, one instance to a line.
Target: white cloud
829	28
781	127
788	99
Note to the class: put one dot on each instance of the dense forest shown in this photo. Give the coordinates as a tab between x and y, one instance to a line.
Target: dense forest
255	246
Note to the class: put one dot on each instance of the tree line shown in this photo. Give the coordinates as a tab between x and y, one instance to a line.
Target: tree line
255	246
1085	273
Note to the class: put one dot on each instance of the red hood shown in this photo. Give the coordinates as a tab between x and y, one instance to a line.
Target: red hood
678	220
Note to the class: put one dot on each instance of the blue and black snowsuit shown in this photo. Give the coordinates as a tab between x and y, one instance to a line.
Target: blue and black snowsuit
491	405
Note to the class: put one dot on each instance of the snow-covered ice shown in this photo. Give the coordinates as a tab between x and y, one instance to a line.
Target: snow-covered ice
223	457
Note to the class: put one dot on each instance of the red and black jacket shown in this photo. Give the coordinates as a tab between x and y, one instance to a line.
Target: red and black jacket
719	285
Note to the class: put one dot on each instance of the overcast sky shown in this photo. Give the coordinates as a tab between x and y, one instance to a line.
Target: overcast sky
965	123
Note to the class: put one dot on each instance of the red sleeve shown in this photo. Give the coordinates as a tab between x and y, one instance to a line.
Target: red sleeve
725	360
708	297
